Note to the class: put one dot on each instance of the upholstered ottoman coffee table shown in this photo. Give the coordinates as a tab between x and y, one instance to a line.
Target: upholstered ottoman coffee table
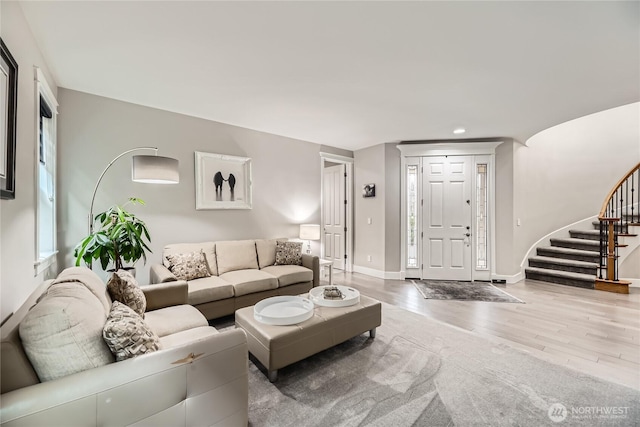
279	346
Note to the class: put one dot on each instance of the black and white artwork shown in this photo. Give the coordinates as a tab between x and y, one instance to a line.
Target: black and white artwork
369	190
222	181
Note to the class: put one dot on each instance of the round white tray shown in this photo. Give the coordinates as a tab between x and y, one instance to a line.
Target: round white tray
284	310
352	297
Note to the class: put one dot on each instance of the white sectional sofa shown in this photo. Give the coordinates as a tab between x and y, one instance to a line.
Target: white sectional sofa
239	274
57	370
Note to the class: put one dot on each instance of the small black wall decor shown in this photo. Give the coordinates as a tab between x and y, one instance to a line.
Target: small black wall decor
369	190
8	116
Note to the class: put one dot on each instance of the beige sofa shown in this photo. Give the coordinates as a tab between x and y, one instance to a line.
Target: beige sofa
242	272
198	377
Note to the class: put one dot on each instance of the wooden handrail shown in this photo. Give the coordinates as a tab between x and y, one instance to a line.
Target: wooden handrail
607	200
615	219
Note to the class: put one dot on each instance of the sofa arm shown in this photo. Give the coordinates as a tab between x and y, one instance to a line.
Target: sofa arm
312	262
203	382
161	274
166	294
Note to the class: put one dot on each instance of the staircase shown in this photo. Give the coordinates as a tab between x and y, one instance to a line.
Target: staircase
571	261
576	260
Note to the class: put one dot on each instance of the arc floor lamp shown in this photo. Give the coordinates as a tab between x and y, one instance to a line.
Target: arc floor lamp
150	169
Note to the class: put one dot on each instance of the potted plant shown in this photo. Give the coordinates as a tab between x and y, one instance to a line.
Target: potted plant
122	238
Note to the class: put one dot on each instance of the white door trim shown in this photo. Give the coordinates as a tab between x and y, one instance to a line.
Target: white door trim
348	162
481	148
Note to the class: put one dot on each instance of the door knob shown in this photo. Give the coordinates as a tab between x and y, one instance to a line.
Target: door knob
467	234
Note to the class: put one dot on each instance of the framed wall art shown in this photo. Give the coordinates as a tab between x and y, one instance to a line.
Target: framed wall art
369	190
8	116
222	181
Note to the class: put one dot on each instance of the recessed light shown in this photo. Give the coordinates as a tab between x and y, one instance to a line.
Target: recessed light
459	131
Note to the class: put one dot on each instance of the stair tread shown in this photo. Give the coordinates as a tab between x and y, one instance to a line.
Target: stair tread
560	273
593	232
564	261
574	240
571	251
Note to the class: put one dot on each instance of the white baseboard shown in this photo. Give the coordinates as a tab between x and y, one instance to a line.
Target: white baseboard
510	280
635	283
389	275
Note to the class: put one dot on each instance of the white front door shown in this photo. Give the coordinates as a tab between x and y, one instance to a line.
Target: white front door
446	219
334	215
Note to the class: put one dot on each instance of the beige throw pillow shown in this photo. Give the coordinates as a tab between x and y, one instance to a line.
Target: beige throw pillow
123	287
235	255
62	333
189	266
127	335
266	249
288	253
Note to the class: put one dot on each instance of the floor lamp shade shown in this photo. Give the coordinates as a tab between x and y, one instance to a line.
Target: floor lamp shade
310	231
155	170
147	169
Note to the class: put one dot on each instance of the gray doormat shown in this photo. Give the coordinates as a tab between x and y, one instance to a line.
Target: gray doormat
463	291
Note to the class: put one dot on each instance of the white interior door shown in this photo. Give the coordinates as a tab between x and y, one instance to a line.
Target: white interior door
334	215
447	218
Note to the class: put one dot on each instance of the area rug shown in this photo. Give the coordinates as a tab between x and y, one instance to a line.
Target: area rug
421	372
462	291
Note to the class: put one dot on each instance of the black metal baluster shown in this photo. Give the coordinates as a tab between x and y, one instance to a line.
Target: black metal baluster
626	208
619	197
615	255
633	189
602	253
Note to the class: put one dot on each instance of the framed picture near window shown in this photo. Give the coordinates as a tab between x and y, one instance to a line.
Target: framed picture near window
222	181
8	109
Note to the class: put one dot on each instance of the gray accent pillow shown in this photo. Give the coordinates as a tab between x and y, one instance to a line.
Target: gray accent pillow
288	253
123	287
209	249
189	266
127	335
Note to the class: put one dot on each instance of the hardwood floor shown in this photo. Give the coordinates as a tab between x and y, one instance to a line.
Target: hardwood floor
592	331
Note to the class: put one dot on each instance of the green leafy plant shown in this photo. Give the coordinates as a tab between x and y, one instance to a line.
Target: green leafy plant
120	239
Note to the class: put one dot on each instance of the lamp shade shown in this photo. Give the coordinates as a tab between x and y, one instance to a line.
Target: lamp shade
155	170
310	231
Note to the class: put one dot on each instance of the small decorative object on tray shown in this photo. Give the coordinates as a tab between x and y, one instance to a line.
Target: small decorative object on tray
334	296
283	310
333	293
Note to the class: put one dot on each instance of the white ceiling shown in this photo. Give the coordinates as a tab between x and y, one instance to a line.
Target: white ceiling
351	74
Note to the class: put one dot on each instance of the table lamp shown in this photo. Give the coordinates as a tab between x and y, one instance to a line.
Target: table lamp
309	232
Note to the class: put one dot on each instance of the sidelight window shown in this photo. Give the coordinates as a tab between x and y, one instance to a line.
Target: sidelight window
412	218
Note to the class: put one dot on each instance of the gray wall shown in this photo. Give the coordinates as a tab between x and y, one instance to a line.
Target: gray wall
379	165
369	239
505	177
630	267
93	130
18	216
392	196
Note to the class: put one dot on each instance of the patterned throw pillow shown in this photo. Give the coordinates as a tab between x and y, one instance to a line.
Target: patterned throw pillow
288	253
123	287
127	335
189	266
